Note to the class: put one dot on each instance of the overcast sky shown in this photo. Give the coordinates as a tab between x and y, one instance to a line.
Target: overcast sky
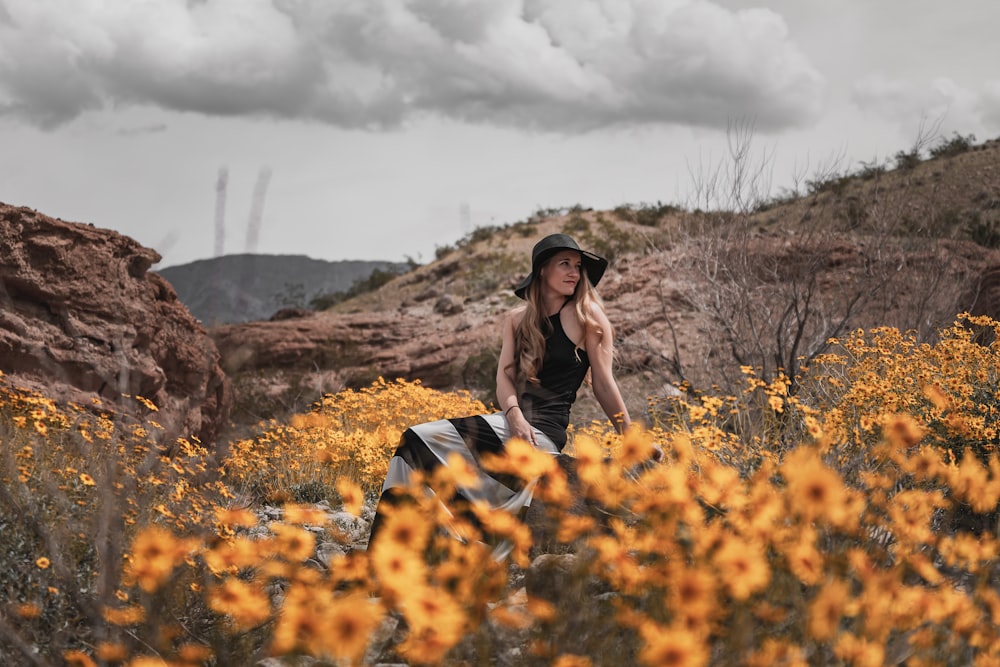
382	129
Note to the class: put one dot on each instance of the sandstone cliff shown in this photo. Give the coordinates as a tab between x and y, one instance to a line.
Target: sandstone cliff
82	317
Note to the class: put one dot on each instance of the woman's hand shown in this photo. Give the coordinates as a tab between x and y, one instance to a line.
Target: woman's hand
518	426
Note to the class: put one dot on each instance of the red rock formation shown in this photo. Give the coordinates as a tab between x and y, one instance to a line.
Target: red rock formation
431	348
985	296
81	316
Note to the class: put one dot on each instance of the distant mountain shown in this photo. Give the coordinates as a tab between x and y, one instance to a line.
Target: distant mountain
247	287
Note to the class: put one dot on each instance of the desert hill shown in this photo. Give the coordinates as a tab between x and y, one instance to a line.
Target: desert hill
693	294
241	288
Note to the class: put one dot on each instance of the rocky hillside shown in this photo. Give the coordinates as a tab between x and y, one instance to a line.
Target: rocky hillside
692	295
243	288
82	319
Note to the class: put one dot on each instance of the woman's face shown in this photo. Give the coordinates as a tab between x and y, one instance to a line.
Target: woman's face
561	274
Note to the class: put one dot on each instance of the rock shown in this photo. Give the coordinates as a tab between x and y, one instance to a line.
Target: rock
358	346
549	575
82	317
448	305
984	298
431	292
387	635
327	551
291	314
562	579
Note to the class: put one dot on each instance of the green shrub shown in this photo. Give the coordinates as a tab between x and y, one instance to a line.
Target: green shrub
576	225
954	146
984	231
835	183
647	215
490	273
376	279
442	251
783	197
907	160
608	240
871	170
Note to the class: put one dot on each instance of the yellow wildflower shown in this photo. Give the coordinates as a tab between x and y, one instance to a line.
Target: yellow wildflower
350	621
304	514
292	543
970	481
672	647
155	554
521	458
804	559
742	566
76	658
637	447
194	653
148	403
429	608
827	610
693	593
234	554
111	652
857	651
573	526
815	490
406	528
124	615
936	396
350	494
397	569
902	431
236	517
247	605
28	610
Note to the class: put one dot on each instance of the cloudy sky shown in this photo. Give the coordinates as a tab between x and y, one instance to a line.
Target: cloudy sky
383	129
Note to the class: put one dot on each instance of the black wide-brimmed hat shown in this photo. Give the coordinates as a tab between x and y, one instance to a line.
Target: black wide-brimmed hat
550	245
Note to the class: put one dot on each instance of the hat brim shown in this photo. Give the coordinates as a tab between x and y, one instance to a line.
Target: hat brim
594	265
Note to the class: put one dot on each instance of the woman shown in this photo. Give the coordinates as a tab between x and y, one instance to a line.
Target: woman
549	344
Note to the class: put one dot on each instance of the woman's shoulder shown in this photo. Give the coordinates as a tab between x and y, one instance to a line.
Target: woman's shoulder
597	321
515	315
595	310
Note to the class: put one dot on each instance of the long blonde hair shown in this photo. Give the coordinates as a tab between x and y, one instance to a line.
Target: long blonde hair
530	333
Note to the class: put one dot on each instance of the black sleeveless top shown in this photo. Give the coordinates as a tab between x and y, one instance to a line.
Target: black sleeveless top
546	404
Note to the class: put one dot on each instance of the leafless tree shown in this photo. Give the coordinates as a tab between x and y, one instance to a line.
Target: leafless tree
776	294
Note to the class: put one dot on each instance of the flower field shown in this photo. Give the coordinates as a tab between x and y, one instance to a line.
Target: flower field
846	516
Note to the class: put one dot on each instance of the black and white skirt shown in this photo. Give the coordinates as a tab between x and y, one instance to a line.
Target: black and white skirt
424	447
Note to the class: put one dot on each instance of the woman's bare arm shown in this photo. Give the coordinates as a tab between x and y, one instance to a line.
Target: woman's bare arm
600	350
507	396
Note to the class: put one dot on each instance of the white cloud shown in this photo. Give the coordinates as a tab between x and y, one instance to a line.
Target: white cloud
940	103
558	65
989	104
